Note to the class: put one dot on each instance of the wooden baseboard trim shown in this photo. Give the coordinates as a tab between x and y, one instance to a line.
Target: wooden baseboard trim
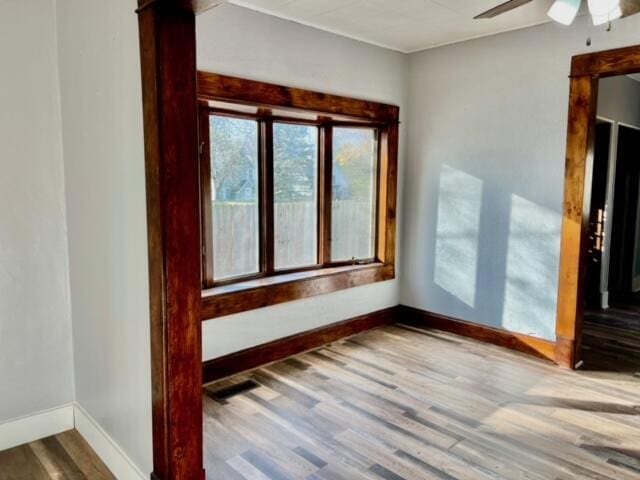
565	352
260	355
515	341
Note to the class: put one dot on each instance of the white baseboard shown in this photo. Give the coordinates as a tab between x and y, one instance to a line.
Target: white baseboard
36	426
105	447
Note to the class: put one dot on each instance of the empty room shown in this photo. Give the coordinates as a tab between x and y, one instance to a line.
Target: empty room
320	239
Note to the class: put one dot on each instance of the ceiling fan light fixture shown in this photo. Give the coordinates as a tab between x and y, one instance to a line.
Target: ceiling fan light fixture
602	19
564	11
603	11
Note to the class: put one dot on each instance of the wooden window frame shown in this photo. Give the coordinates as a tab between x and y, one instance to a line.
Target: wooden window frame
266	123
586	70
270	286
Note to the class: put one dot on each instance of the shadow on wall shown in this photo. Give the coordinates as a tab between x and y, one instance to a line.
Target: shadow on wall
496	255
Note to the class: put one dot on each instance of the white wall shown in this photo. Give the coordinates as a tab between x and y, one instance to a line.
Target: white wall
36	363
240	42
485	170
105	195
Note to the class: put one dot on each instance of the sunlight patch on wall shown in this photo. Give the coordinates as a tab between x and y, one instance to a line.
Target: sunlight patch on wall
532	269
459	203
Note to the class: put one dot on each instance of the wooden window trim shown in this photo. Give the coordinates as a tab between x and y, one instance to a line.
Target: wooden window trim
270	287
262	292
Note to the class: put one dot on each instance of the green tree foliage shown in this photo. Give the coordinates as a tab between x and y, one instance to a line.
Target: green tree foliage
354	162
295	162
234	151
235	161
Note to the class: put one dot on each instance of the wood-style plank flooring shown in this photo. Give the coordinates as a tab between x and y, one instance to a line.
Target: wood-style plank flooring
65	456
611	338
397	403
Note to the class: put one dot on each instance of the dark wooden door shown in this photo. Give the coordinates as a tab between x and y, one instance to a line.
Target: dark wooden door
597	212
625	213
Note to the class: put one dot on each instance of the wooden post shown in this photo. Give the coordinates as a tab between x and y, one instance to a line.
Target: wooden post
578	173
168	49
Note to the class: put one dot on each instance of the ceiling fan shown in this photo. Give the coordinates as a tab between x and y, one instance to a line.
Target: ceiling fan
565	11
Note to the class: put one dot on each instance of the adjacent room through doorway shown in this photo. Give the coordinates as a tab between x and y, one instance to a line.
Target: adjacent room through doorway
611	338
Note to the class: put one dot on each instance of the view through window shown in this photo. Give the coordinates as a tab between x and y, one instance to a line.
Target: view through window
289	195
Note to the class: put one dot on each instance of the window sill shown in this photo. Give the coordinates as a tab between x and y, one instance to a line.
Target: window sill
263	292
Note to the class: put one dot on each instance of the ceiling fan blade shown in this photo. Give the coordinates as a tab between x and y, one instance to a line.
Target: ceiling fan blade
629	7
502	8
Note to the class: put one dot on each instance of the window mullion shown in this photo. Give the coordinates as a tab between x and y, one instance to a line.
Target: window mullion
206	213
266	197
324	200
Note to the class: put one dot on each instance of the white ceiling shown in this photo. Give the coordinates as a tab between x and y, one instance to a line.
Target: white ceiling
404	25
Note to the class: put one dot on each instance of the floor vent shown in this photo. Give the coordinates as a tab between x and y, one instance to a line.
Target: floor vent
225	393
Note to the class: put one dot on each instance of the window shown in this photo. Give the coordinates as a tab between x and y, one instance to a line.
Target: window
295	195
234	196
265	208
354	192
291	194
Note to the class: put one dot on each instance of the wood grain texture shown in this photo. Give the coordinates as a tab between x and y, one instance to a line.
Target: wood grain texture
213	86
400	403
325	180
612	339
167	51
206	208
585	71
620	61
294	344
515	341
65	456
240	297
386	241
578	167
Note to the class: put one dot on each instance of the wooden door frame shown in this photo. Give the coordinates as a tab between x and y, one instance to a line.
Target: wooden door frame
168	62
586	70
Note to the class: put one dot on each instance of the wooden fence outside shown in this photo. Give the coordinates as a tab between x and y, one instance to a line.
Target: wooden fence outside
235	230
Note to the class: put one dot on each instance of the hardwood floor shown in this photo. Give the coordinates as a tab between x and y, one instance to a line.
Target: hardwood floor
398	403
611	338
62	457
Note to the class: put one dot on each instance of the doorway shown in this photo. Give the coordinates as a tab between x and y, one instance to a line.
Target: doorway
581	232
611	336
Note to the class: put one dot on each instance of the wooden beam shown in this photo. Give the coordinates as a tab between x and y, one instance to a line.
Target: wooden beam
620	61
167	49
213	86
264	292
575	221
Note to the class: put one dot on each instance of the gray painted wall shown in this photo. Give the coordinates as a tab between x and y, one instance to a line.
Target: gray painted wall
36	362
105	195
236	41
484	175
